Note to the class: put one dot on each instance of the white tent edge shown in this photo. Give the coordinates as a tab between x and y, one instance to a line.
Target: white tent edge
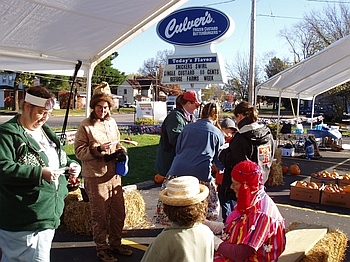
40	62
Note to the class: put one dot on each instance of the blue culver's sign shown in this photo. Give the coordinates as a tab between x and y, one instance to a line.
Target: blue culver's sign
193	26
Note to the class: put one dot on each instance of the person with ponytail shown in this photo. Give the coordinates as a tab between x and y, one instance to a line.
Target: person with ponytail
197	150
253	141
255	230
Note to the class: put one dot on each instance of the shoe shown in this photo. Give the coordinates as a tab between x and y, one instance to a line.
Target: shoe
122	251
106	255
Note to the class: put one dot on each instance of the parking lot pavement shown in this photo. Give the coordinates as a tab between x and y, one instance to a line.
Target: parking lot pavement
72	247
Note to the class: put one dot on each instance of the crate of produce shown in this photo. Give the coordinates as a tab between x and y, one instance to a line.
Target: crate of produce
325	177
344	180
333	195
305	191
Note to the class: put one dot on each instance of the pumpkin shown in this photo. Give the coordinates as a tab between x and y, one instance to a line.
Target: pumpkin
285	170
158	179
294	170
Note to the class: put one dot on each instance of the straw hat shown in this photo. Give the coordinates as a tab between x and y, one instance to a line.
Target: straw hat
183	191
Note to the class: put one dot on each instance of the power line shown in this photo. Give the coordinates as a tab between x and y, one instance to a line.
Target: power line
219	3
279	16
327	1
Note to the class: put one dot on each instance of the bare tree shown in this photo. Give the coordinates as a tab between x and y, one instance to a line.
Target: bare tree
238	74
317	30
152	65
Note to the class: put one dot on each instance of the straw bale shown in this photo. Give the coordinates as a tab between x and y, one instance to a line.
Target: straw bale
276	175
278	155
331	248
135	209
76	215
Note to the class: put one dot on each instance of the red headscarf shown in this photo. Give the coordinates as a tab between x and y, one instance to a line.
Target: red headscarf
249	175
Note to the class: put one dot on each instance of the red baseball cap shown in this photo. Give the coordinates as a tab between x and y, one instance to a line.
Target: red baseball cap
192	97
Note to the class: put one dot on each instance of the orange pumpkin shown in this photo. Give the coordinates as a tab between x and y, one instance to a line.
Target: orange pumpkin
285	170
158	179
294	170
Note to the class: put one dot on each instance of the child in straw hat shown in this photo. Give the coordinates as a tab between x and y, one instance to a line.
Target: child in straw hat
187	239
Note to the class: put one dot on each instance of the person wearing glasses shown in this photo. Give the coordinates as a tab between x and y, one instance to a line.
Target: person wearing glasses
252	141
34	168
186	106
197	150
97	145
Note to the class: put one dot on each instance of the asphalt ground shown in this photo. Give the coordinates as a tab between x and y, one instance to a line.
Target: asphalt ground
73	247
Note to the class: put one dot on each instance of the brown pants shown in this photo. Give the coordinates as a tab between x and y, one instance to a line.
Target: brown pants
107	210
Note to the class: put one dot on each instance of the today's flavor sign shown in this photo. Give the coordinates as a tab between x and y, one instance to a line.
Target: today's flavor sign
188	29
192	69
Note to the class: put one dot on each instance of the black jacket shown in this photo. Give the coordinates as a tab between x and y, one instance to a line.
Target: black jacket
252	141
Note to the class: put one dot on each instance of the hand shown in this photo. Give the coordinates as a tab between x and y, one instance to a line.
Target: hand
217	242
214	226
49	175
224	146
74	169
109	157
121	155
106	146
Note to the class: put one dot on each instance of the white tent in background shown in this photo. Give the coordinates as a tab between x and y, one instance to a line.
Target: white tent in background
49	36
317	74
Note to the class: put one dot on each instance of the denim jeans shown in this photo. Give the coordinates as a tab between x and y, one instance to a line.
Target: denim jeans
26	245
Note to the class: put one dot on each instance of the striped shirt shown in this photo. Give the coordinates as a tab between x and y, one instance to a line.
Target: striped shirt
262	228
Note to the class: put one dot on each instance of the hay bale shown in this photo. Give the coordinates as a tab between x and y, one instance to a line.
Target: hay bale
135	209
276	175
331	248
76	215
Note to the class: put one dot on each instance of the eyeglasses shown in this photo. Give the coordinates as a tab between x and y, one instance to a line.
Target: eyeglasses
44	114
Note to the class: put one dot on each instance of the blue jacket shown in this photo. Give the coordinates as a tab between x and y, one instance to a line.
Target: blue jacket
196	149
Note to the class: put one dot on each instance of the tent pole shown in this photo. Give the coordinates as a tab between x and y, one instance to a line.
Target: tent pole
279	114
312	110
298	104
88	90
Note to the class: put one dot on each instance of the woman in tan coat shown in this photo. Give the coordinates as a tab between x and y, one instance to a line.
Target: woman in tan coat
97	145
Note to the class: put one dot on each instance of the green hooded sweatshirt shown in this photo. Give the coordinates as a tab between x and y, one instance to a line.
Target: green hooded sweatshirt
27	201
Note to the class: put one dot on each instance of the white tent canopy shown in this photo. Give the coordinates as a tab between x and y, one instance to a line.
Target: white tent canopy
49	36
315	75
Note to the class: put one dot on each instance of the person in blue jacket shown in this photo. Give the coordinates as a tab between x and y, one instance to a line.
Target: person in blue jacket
197	149
32	180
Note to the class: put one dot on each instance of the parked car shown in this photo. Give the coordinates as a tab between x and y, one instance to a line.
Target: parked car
127	105
327	111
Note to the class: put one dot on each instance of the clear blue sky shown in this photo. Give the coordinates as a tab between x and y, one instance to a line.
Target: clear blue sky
272	16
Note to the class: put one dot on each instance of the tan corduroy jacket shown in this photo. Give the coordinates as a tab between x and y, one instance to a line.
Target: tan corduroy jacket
87	139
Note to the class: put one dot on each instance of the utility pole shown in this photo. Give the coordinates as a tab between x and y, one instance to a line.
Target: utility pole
251	91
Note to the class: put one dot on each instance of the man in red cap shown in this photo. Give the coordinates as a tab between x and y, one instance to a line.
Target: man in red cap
174	123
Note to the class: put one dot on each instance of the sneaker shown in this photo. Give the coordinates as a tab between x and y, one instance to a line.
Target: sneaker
106	255
122	251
